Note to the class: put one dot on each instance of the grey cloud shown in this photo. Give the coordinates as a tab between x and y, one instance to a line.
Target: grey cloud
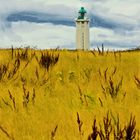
100	12
96	20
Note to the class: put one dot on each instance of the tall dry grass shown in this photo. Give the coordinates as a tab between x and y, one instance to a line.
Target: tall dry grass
39	89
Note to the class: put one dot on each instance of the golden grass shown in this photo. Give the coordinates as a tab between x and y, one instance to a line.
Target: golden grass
41	103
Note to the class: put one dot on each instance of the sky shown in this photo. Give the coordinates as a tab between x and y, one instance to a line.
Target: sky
45	24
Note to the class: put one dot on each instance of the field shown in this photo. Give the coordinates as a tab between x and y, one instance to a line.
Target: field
69	95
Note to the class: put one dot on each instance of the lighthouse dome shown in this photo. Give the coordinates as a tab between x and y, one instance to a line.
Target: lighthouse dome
82	13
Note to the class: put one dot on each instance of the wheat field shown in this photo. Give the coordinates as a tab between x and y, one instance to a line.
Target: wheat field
69	95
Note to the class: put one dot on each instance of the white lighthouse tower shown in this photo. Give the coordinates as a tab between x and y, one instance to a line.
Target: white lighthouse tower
82	30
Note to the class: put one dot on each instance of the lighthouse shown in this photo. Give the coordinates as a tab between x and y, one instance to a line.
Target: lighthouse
82	30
